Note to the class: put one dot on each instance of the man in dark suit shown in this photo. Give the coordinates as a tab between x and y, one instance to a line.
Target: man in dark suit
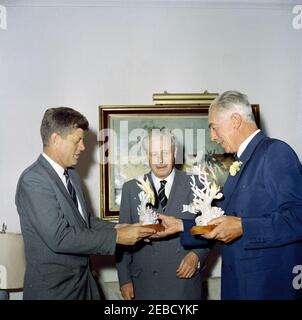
161	269
59	233
262	228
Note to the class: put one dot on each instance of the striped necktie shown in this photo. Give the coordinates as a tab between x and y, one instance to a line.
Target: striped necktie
162	196
71	188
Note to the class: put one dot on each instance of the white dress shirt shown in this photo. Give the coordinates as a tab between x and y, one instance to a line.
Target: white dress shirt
168	186
60	172
245	143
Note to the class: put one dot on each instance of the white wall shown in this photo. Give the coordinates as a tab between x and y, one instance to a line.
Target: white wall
88	53
65	53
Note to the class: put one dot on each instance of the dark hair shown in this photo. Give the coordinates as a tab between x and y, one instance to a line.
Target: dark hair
61	120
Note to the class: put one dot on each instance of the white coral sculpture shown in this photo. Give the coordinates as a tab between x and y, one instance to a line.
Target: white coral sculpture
202	201
146	214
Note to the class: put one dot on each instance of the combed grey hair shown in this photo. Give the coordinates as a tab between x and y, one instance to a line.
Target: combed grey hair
234	101
159	132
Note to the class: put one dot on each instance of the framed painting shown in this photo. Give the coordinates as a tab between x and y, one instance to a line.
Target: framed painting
122	155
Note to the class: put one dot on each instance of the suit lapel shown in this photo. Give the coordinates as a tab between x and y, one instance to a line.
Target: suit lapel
178	193
232	181
50	170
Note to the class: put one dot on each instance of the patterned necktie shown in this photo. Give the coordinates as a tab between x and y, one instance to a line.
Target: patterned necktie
71	188
162	196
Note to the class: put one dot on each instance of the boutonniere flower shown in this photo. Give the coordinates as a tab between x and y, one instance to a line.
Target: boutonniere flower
235	167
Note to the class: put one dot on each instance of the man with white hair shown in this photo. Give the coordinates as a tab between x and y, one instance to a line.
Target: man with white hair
262	228
161	269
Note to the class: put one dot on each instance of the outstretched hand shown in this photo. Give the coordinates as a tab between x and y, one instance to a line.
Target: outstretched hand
171	224
129	234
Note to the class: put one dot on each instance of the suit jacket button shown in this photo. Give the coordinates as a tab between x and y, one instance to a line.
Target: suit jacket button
155	273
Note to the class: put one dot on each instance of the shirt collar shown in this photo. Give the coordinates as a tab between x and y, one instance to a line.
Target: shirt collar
245	143
169	179
59	169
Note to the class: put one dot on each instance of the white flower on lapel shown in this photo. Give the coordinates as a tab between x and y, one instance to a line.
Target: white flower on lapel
235	167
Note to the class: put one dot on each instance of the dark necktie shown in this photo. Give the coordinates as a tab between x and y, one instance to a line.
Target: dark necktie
162	196
71	188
